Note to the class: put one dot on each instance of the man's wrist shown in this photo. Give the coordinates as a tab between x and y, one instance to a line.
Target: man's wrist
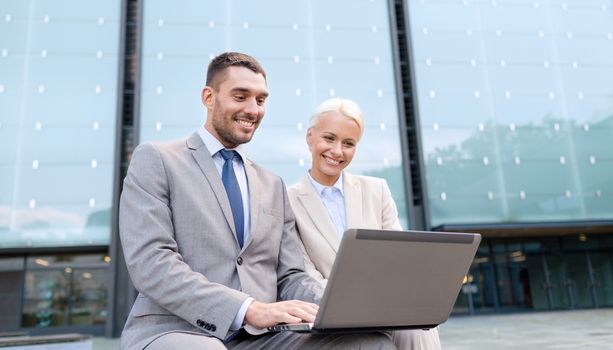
239	319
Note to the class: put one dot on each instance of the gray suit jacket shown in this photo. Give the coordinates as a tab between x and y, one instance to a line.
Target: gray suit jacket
181	250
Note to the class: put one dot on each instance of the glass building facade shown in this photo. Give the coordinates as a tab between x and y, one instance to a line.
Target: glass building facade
477	120
304	66
516	119
59	64
58	96
516	124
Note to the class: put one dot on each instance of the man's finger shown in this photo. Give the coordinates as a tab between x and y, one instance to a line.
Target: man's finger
287	318
305	313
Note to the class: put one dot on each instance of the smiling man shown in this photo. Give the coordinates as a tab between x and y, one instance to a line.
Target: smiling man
209	237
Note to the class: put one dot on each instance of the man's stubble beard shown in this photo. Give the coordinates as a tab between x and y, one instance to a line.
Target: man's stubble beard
223	127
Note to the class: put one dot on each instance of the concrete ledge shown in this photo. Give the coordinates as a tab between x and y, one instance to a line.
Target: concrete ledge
47	342
12	334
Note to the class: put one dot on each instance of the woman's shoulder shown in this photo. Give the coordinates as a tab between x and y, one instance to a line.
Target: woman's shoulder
364	180
300	186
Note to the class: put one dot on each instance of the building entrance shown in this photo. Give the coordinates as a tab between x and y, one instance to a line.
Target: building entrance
545	274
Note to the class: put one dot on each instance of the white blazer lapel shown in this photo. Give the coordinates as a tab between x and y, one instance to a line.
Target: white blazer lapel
316	210
353	201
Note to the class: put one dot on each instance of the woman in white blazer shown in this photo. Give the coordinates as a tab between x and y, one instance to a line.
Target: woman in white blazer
327	200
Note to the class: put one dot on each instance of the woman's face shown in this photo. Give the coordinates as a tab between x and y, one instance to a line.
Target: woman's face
332	142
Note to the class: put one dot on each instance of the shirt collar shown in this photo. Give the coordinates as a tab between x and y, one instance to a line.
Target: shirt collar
319	187
213	144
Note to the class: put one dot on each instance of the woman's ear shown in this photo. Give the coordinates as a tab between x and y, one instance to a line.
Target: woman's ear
309	137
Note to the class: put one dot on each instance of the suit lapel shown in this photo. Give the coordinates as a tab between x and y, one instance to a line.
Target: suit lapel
353	201
203	157
316	210
254	194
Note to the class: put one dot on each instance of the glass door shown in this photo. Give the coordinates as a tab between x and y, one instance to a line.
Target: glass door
540	282
602	272
556	282
578	281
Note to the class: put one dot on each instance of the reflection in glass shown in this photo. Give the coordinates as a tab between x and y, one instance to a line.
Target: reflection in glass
516	115
310	54
65	290
58	97
541	274
46	299
89	295
602	267
578	280
540	283
480	284
561	287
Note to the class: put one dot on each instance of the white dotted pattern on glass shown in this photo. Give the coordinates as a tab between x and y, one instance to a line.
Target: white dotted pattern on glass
58	100
515	109
311	54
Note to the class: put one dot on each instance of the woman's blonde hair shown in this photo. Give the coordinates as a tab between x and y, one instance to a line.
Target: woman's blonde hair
342	106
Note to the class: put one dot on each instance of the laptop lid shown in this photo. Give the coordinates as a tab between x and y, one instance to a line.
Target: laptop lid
395	279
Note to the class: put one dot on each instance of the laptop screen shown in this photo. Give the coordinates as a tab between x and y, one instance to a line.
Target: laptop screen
395	279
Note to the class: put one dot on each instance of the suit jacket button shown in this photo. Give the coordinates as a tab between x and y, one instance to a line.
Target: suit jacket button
207	327
213	328
199	323
239	260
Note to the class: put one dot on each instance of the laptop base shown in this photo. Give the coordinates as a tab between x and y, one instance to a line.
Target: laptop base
308	328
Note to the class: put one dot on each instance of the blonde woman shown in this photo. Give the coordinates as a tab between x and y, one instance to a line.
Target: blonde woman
328	200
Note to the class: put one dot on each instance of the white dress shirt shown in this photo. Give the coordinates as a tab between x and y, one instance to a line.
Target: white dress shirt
334	201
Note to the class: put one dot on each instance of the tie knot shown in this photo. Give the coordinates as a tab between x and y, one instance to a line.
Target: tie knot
227	154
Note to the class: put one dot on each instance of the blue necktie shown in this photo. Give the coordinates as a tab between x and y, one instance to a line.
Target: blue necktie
233	191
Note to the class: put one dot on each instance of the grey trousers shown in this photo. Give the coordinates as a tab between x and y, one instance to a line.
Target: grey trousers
291	340
417	339
274	341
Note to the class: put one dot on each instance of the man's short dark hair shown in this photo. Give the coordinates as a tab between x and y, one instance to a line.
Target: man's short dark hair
220	63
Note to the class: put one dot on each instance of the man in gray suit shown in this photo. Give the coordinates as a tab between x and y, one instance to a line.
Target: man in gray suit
209	236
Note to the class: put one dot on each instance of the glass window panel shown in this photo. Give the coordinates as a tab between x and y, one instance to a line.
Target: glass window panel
88	297
532	96
65	290
602	264
45	299
310	54
58	92
578	280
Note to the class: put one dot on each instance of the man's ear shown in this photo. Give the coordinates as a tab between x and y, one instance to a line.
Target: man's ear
207	97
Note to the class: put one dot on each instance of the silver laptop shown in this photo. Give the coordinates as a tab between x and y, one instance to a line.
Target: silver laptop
384	280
